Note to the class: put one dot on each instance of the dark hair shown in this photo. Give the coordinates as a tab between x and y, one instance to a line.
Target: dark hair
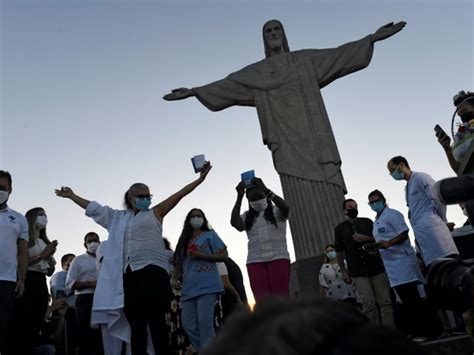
88	234
346	201
378	194
6	174
286	48
186	235
307	327
252	215
66	257
167	244
399	159
126	201
31	216
326	259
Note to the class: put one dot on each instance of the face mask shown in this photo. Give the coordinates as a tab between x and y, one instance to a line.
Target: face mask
142	203
331	255
3	197
377	206
466	117
196	222
398	175
259	205
464	212
352	213
41	221
92	247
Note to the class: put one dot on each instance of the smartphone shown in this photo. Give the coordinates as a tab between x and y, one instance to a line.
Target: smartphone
439	131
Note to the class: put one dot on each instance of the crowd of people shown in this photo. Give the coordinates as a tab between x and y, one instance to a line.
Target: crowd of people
130	293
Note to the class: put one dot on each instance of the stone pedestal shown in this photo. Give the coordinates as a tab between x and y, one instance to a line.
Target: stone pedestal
304	276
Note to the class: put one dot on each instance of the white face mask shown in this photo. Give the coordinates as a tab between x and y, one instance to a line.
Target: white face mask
41	221
92	247
3	197
196	222
259	205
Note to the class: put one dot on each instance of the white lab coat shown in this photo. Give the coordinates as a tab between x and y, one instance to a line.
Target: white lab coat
399	260
428	219
107	308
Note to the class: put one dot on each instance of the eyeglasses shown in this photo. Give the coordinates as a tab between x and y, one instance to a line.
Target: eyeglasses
374	201
147	196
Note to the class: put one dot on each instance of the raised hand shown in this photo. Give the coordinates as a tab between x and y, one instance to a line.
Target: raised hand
205	170
65	192
179	94
240	188
388	30
49	250
444	140
260	185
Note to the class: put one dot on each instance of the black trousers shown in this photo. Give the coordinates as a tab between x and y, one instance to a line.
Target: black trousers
147	295
412	304
7	304
29	314
89	340
70	334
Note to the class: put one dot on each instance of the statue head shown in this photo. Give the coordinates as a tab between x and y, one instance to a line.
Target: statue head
274	38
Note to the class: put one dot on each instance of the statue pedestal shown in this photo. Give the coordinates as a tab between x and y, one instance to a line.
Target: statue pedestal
305	275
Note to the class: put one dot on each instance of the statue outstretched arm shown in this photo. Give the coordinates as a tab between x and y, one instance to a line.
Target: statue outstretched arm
184	93
388	30
179	94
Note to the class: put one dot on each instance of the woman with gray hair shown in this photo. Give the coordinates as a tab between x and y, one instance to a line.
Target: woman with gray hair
134	278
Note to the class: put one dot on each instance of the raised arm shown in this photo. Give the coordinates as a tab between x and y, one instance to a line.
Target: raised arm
235	219
162	209
66	192
277	200
445	142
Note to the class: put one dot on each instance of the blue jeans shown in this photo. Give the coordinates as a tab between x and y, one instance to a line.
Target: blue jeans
197	317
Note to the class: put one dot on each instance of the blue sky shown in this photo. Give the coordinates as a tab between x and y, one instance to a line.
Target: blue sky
82	81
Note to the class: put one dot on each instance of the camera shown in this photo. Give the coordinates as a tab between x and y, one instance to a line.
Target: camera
450	284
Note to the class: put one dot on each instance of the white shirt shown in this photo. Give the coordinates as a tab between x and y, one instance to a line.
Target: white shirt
399	260
143	244
13	226
83	268
428	219
36	249
267	242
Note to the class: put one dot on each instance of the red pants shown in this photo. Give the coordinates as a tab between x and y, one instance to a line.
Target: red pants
269	278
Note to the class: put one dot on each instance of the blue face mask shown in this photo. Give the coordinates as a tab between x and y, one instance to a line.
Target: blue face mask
377	206
398	175
142	203
331	255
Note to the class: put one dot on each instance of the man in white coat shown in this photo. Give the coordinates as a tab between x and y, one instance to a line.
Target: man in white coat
427	215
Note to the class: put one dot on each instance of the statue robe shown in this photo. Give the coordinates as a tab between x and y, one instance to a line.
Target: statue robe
295	127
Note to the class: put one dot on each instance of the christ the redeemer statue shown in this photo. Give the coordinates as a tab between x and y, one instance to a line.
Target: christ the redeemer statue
286	90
